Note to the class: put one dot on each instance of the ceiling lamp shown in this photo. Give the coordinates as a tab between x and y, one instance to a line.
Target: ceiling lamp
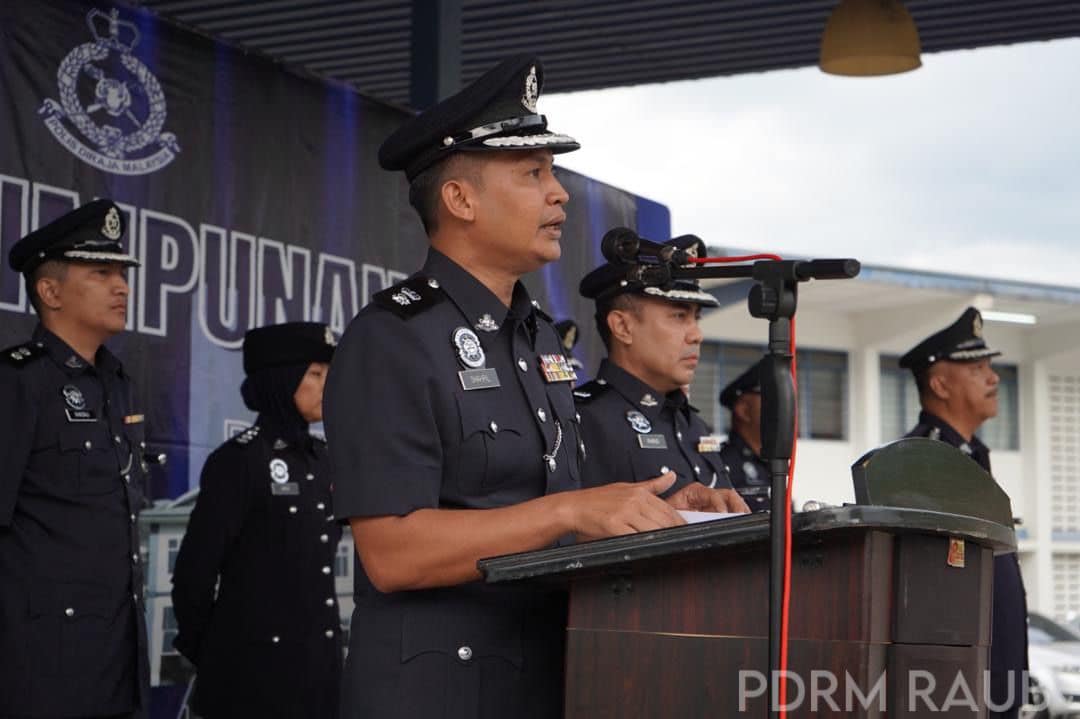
869	37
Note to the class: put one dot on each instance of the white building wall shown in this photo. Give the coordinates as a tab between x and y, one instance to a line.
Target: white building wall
1039	485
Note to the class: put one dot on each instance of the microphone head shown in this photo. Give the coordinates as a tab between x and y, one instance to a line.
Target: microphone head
620	244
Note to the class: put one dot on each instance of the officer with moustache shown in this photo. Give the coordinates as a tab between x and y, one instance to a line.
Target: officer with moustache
635	417
253	588
958	393
741	453
452	429
72	632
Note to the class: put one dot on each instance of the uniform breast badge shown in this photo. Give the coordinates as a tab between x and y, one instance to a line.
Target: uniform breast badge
471	355
556	368
639	422
76	410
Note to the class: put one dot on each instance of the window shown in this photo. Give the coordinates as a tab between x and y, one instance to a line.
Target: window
169	631
173	550
900	406
343	560
823	387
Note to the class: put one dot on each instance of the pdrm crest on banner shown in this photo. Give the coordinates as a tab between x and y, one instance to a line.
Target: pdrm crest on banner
119	127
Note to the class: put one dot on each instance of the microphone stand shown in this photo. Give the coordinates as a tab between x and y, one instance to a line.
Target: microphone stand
773	297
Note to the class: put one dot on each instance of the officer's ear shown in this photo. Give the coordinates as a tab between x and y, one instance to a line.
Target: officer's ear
458	199
460	185
48	291
937	384
620	325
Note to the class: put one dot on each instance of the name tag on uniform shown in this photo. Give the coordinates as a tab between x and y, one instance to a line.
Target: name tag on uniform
483	378
79	415
284	489
709	443
652	441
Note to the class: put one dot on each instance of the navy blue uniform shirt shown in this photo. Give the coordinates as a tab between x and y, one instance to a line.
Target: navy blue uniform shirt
414	420
72	635
1008	636
267	642
632	433
749	473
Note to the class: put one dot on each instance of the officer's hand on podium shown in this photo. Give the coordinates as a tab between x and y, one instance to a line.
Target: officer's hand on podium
696	497
622	508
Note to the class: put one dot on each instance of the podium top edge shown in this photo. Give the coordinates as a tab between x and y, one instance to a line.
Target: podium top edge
609	554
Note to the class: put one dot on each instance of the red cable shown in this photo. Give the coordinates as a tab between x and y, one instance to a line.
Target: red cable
786	592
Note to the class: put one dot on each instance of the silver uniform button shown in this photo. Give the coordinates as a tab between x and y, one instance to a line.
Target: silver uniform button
88	444
323	538
523	365
135	558
329	633
541	414
132	517
697	469
135	597
320	505
116	438
309	475
69	612
142	445
329	601
433	283
464	653
664	469
494	427
127	478
678	436
326	570
275	639
292	509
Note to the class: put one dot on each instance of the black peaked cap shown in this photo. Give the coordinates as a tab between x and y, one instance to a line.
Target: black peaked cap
496	112
91	233
748	381
962	341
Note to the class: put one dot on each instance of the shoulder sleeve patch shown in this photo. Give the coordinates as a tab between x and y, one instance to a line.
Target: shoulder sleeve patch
21	355
410	297
589	391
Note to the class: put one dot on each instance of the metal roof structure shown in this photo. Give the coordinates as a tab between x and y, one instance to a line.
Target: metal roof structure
589	44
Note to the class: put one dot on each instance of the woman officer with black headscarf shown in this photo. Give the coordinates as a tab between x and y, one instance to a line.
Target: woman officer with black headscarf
267	643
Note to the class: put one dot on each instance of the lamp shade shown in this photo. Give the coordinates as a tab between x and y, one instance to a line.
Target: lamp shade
869	37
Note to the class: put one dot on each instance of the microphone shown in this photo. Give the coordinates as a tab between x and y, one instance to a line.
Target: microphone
622	244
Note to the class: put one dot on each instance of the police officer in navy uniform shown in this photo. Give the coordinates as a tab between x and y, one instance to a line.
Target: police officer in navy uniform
635	416
452	429
267	641
72	632
741	453
958	392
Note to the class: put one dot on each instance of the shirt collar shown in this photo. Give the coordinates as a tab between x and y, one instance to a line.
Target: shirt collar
70	360
484	310
951	436
642	396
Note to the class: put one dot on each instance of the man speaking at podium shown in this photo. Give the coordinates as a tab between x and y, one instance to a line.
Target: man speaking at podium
452	431
958	393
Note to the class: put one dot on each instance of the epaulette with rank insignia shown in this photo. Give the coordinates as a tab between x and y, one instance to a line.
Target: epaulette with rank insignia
20	355
410	297
247	435
589	391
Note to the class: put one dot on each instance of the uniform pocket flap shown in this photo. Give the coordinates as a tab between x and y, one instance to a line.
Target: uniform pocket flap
462	633
73	600
486	417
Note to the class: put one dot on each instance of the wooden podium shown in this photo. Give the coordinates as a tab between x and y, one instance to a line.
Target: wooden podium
890	612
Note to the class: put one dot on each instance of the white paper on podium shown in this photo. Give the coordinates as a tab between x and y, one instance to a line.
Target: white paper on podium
695	517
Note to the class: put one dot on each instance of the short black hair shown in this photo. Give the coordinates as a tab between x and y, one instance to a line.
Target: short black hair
50	268
624	302
426	187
